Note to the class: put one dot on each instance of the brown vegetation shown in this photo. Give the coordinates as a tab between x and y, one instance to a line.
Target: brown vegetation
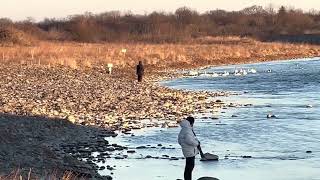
10	36
209	51
184	38
18	175
181	26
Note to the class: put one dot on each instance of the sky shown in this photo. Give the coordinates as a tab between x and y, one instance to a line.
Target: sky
40	9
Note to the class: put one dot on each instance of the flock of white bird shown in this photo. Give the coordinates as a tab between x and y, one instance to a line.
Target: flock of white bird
236	72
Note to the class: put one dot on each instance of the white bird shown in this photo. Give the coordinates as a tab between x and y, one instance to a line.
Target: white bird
244	72
252	71
214	75
225	73
236	72
193	73
204	74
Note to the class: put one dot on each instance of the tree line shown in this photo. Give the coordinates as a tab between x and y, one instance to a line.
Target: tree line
182	25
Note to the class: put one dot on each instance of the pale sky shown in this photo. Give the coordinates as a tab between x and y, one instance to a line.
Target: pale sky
39	9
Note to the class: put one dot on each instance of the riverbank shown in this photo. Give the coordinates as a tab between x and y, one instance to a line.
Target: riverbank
63	115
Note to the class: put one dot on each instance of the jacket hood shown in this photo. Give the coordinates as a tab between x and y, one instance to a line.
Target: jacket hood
185	124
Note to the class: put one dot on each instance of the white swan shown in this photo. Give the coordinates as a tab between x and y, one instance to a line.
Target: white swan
243	72
193	73
225	73
215	74
252	71
204	74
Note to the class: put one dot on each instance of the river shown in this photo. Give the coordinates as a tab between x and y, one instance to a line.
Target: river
278	146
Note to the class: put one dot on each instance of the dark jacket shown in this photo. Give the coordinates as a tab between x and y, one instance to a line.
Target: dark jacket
140	69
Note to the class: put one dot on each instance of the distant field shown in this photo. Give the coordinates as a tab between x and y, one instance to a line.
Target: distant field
212	51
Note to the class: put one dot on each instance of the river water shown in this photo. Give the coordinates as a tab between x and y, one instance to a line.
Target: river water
278	146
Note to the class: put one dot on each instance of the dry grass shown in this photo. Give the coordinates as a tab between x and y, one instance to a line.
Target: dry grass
10	36
211	51
18	175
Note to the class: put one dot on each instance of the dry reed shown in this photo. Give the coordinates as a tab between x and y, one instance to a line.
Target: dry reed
78	55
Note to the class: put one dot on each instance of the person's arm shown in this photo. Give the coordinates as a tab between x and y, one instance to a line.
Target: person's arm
191	140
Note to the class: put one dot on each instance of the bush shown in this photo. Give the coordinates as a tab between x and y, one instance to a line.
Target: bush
12	36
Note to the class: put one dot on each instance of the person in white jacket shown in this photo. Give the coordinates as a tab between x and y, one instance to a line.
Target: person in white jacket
189	144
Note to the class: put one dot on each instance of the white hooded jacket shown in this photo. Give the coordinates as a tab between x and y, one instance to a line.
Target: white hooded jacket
188	140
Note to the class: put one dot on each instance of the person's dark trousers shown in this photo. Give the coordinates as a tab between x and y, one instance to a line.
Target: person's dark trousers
189	168
139	78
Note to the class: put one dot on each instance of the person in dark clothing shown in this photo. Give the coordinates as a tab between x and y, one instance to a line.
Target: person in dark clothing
140	71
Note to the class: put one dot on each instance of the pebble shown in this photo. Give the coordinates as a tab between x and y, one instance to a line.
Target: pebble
269	116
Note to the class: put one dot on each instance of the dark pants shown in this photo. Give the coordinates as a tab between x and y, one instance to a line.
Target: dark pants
139	78
189	168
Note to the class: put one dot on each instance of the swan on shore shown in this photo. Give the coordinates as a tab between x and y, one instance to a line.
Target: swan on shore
193	73
204	74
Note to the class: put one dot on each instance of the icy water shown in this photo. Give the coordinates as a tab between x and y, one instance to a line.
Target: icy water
277	146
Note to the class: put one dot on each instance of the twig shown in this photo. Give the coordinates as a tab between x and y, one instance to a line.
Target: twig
29	174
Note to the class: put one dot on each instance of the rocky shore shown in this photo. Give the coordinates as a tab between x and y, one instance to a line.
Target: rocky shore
53	119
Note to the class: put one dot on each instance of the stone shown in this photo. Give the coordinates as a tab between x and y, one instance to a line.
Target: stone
107	177
214	117
141	147
110	168
72	119
270	116
246	157
119	157
208	178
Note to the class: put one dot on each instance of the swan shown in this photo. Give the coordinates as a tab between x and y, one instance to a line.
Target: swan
252	71
215	74
244	72
193	73
225	73
204	74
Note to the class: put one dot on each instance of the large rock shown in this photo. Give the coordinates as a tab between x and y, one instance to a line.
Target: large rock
208	178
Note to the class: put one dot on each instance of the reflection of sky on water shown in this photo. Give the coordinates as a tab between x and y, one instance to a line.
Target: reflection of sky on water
278	146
